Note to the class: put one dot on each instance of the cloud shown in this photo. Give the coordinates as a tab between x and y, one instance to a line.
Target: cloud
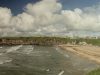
23	22
42	7
5	17
48	18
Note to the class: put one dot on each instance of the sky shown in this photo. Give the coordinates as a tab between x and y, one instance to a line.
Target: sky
49	17
17	6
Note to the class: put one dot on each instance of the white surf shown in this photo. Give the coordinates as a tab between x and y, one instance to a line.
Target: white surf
14	48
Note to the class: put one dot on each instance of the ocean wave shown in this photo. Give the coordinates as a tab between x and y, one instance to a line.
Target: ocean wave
61	52
14	48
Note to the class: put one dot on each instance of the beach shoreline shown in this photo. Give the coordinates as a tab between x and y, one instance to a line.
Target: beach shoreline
89	52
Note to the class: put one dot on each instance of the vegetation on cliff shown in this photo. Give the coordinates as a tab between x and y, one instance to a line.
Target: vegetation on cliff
45	40
33	40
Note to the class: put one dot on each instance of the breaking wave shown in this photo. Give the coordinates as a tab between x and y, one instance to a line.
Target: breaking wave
61	52
4	59
14	48
26	49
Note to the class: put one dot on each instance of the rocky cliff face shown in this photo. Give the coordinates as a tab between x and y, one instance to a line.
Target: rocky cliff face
15	42
26	42
32	41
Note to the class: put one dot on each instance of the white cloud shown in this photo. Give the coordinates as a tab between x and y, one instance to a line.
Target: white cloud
5	17
48	17
42	7
23	22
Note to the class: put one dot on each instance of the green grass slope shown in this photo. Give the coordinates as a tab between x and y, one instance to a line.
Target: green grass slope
95	72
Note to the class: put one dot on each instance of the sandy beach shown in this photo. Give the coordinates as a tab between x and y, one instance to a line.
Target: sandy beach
88	51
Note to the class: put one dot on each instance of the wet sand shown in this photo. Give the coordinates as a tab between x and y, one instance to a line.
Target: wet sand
87	51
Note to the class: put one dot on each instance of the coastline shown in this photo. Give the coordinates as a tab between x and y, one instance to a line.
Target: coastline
87	51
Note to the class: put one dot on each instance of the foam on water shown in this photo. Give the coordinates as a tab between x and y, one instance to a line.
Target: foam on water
61	52
14	48
1	53
27	49
1	47
41	53
61	73
5	61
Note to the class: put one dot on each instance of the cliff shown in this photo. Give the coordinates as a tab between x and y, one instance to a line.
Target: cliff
31	41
